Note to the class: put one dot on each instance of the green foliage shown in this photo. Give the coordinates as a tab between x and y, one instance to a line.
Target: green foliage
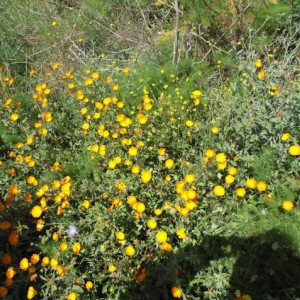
117	147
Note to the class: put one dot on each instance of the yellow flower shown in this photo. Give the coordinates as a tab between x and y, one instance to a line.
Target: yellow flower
61	271
221	158
189	123
214	130
251	183
287	205
219	191
45	261
111	268
72	296
261	186
229	179
53	263
210	153
294	150
85	126
258	63
76	248
262	74
89	285
176	292
158	212
55	236
120	235
146	176
285	136
31	292
36	211
196	94
140	207
151	224
95	75
14	117
63	246
189	178
240	192
111	164
129	250
169	163
29	140
161	236
88	82
181	233
133	151
135	169
86	203
161	151
24	264
232	171
131	200
141	118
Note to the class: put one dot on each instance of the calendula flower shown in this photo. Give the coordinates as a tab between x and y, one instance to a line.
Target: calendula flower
10	273
36	211
294	150
287	205
89	285
34	259
161	236
251	183
181	233
72	296
146	176
129	250
31	292
176	292
286	136
14	117
215	130
221	158
261	186
24	264
3	291
133	151
219	191
210	153
120	235
240	192
229	179
111	268
258	63
189	178
76	248
151	224
169	163
189	123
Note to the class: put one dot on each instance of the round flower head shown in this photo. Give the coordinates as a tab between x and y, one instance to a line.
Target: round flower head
287	205
176	292
161	236
294	150
219	191
72	231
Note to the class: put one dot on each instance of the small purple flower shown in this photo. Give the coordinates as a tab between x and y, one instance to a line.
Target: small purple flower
72	231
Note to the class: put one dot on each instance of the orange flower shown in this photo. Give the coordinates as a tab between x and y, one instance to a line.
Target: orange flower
13	238
176	292
76	248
